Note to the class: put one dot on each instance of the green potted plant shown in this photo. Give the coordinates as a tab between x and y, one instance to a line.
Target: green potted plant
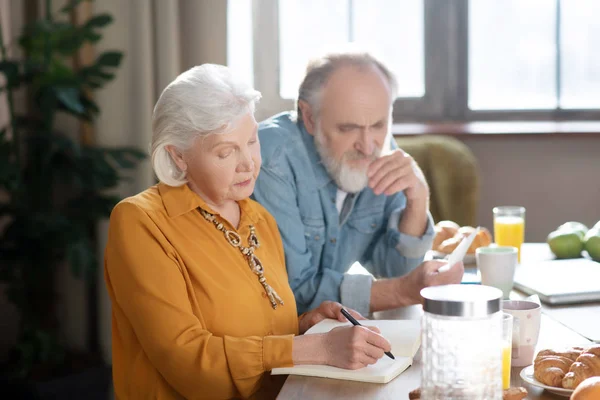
54	186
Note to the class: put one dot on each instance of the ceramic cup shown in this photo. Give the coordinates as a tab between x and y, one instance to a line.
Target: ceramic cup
526	329
497	266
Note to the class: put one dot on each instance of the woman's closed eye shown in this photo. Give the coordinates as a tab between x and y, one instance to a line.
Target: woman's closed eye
224	154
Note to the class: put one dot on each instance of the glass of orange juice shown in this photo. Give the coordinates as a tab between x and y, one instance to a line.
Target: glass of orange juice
507	326
509	227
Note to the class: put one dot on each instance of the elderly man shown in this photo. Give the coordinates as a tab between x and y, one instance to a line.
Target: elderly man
341	191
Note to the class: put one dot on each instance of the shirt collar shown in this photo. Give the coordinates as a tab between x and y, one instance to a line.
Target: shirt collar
322	177
179	200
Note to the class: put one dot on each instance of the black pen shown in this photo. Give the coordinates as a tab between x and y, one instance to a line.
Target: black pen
356	323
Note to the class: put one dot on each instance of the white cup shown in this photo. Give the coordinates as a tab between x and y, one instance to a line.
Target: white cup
526	329
497	266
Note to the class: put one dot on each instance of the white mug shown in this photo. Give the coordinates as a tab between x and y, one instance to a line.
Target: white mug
526	329
497	266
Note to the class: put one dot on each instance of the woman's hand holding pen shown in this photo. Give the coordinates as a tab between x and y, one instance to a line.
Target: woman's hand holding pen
354	347
349	347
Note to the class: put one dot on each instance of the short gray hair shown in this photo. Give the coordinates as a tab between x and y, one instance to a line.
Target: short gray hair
320	69
203	100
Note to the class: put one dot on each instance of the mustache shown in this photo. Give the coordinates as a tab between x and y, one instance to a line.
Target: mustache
357	155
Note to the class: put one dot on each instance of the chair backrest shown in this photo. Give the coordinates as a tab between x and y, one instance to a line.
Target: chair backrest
452	172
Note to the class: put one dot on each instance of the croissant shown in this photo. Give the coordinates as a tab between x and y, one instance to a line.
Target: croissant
585	366
550	370
443	230
483	238
550	366
570	353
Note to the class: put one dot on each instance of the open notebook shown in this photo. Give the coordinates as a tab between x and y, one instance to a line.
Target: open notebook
404	336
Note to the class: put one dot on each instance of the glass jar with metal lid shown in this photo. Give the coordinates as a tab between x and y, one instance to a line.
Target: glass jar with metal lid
461	343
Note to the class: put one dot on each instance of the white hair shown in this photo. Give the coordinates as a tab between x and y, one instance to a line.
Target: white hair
320	69
203	100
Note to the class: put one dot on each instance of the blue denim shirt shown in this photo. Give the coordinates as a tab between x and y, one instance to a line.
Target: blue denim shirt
297	190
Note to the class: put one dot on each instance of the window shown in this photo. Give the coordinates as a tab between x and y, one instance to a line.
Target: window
392	30
534	54
512	55
239	39
454	59
579	41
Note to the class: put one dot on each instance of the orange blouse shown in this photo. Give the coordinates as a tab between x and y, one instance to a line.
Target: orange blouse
190	319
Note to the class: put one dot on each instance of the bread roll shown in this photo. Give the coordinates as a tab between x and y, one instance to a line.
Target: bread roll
514	393
443	230
483	238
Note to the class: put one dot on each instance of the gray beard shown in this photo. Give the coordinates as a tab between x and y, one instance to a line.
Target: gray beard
348	179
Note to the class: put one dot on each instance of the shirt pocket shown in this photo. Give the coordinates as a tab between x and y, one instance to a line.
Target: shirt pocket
367	224
314	233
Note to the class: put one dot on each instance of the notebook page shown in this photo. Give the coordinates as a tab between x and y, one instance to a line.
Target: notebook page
404	336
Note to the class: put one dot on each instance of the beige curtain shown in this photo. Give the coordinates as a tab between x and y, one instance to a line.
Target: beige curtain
160	39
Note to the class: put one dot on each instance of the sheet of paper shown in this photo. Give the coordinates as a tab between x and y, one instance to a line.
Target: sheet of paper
460	252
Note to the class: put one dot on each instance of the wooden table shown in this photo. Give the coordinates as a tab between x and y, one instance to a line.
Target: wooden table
552	334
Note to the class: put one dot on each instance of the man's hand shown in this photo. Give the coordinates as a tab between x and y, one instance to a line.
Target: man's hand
327	309
426	275
397	172
387	294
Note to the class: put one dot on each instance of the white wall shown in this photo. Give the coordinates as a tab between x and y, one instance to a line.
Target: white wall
557	178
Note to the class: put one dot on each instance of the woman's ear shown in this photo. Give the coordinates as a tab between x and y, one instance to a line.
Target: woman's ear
177	157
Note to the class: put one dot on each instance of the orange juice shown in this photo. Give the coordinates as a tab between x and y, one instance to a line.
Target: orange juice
509	231
506	354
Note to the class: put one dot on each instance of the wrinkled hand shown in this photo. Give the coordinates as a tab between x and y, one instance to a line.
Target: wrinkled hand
427	274
354	347
397	172
327	309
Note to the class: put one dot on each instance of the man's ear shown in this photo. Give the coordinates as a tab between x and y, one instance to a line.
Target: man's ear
177	157
308	117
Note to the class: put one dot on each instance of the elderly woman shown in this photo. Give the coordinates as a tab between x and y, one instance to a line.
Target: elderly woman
195	269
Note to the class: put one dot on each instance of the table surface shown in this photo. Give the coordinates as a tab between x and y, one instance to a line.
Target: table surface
553	334
574	316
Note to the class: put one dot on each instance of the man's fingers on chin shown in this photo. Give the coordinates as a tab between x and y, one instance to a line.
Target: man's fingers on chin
375	166
397	186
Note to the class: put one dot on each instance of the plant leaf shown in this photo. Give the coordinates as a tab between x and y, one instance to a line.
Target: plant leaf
98	21
70	40
94	77
89	104
126	158
70	98
110	59
92	37
10	69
